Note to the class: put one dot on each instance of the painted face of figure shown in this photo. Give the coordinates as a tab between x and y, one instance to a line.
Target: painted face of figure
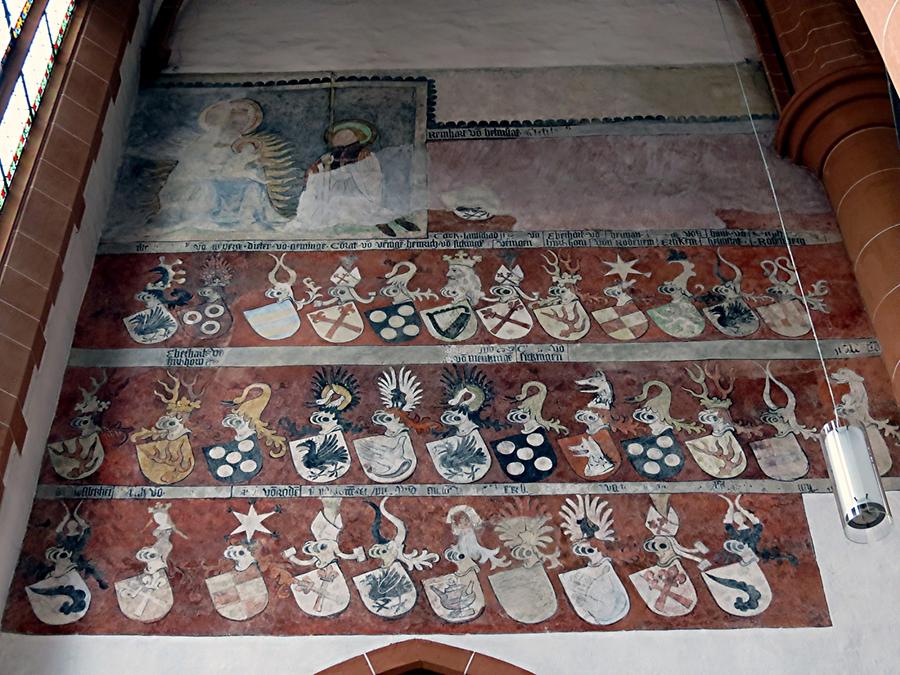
228	121
343	138
240	555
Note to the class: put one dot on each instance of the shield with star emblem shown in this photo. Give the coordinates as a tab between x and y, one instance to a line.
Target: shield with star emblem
235	461
338	323
451	323
395	323
321	592
525	458
455	597
592	456
76	458
785	317
659	457
275	321
596	593
622	322
507	320
740	589
239	595
145	597
667	591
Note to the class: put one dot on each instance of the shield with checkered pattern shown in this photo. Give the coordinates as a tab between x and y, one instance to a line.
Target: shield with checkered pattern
239	595
622	322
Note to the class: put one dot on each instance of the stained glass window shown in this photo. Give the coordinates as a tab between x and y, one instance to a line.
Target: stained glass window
31	81
14	14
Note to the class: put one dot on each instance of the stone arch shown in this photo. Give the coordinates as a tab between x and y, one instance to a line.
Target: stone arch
423	657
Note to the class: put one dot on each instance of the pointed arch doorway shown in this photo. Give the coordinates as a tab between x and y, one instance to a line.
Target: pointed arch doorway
423	657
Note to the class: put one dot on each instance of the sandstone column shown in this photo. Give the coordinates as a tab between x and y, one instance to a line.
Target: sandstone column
831	88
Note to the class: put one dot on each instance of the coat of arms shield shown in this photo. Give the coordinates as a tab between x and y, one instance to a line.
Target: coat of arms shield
395	323
592	456
321	458
507	320
781	458
166	461
678	318
387	591
720	456
59	600
460	459
740	589
564	320
386	459
525	458
667	591
235	461
785	317
455	597
76	458
658	457
322	591
451	323
239	595
596	593
275	321
622	322
151	325
338	323
145	597
525	593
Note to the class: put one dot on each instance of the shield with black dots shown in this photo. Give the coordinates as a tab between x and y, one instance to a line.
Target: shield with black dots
235	461
395	323
658	457
525	458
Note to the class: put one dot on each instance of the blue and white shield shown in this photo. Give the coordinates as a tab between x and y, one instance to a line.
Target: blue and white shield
395	323
656	457
235	461
151	325
275	321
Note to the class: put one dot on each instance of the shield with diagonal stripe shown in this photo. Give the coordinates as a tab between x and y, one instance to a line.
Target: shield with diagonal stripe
509	320
275	321
337	323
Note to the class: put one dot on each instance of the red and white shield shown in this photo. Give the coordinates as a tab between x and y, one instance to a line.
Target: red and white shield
785	317
338	323
622	322
321	592
564	320
509	320
667	591
238	595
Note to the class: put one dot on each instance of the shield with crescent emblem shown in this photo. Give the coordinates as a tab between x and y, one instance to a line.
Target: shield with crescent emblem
678	318
719	456
145	597
235	461
564	320
740	589
596	593
525	458
667	591
508	320
387	591
785	317
76	458
451	323
622	322
239	595
592	456
59	600
454	597
525	593
656	457
395	323
460	459
321	592
275	321
781	458
338	323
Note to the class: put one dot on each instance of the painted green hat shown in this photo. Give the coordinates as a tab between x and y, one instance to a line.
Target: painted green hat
365	131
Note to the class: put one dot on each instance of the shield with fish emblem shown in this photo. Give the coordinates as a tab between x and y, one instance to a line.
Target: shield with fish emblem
460	459
321	592
59	600
596	593
275	321
740	589
76	458
145	597
239	595
455	597
451	323
388	592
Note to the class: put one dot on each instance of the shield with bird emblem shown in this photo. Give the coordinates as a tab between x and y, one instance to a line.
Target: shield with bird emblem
388	592
321	458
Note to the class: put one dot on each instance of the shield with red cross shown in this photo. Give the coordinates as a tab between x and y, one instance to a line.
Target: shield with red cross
622	322
322	592
667	591
337	323
785	317
508	320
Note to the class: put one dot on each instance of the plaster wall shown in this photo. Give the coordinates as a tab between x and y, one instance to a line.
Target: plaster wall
22	473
